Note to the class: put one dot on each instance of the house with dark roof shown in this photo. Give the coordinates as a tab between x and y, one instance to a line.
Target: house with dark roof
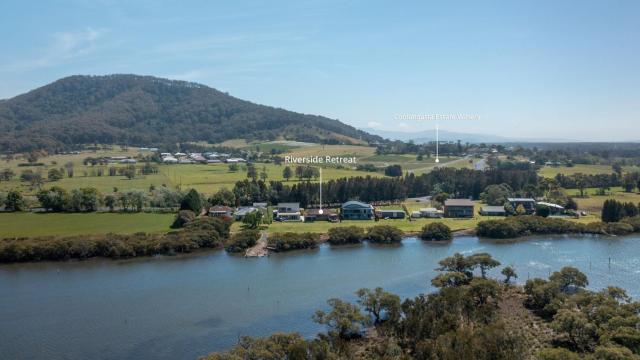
528	204
356	210
243	211
458	208
320	215
288	212
220	211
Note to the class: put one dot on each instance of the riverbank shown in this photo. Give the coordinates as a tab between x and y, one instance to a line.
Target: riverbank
193	238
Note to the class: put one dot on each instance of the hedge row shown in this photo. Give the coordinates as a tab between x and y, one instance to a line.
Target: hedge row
201	233
518	226
293	241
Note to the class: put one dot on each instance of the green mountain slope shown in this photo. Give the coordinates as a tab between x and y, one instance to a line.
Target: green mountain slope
144	110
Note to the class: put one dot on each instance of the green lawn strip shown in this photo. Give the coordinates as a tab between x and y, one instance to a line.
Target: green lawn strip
34	224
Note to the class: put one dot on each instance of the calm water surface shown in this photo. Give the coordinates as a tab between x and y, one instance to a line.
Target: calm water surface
185	307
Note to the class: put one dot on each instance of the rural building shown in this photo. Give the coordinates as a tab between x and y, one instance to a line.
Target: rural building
458	208
288	207
488	210
315	215
220	211
356	210
244	210
169	160
415	215
431	213
391	214
528	204
288	212
260	205
554	209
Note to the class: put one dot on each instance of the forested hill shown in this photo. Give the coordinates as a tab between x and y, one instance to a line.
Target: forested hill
149	111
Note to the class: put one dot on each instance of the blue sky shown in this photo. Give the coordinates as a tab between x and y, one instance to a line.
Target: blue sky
560	69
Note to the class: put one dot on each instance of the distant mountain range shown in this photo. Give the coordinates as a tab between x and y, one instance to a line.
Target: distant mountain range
150	111
426	136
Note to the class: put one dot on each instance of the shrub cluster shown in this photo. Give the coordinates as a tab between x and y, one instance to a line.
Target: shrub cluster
242	240
346	235
293	241
436	231
384	234
517	226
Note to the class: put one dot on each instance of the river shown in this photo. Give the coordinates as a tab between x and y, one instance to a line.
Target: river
187	306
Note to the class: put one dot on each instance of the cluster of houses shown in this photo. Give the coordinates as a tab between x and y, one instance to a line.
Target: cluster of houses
199	158
528	204
357	210
120	160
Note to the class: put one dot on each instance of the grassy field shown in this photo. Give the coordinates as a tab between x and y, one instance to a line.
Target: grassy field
207	178
210	178
552	171
593	203
32	224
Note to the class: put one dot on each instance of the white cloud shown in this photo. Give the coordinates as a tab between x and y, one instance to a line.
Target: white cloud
374	124
64	47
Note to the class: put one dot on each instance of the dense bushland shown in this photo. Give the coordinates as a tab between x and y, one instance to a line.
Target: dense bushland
468	316
346	235
293	241
436	231
518	226
242	240
384	234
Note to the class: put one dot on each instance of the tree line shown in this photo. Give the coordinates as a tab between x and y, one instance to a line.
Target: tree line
463	183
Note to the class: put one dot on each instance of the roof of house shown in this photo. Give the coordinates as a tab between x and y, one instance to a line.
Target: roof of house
520	200
245	210
458	202
391	210
428	209
220	208
316	212
260	204
551	205
289	204
489	208
357	204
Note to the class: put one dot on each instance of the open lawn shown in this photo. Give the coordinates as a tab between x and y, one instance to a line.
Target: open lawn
34	224
404	225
